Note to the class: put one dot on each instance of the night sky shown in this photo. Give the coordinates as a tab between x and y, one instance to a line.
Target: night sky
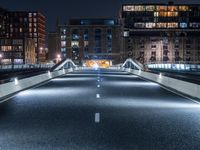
65	9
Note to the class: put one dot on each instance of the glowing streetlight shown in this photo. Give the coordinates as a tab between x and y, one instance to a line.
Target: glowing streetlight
41	49
58	58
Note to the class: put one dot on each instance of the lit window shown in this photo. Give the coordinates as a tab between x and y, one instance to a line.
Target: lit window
194	25
150	25
126	34
134	8
155	14
172	8
161	8
163	14
150	8
74	44
172	14
86	43
139	8
139	25
161	25
63	43
63	50
63	37
183	8
183	25
20	30
172	25
128	8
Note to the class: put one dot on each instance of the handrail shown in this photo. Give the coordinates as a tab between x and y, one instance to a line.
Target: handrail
25	66
62	63
138	65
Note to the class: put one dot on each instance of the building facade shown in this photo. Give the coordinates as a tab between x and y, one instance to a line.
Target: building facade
90	39
161	33
17	51
53	46
24	24
3	20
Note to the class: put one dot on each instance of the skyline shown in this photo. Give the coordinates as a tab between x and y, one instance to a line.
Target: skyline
75	9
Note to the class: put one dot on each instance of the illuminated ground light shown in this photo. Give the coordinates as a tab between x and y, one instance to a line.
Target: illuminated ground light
160	75
49	73
16	81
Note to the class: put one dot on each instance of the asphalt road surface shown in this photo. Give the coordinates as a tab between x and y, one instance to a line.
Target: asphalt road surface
99	110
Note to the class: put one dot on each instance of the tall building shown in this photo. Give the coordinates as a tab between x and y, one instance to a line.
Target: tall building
161	33
24	24
90	39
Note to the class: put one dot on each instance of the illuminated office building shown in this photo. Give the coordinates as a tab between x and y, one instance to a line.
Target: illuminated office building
161	33
25	24
17	51
90	39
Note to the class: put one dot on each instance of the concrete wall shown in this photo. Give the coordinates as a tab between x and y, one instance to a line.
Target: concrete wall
187	88
11	87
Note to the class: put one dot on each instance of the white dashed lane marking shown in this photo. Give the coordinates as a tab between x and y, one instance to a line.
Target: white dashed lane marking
97	95
97	118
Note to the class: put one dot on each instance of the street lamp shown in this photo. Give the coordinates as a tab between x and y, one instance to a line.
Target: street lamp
41	48
58	58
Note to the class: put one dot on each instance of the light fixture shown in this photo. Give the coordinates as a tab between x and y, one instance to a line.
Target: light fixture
16	81
160	75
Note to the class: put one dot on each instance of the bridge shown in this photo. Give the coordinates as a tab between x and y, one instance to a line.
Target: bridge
119	108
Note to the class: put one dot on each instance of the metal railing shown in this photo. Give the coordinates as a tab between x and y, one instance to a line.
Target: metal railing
25	66
130	63
176	67
65	63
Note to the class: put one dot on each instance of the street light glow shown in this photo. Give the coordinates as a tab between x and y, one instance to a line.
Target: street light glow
58	56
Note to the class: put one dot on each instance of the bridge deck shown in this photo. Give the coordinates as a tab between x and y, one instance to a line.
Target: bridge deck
118	112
